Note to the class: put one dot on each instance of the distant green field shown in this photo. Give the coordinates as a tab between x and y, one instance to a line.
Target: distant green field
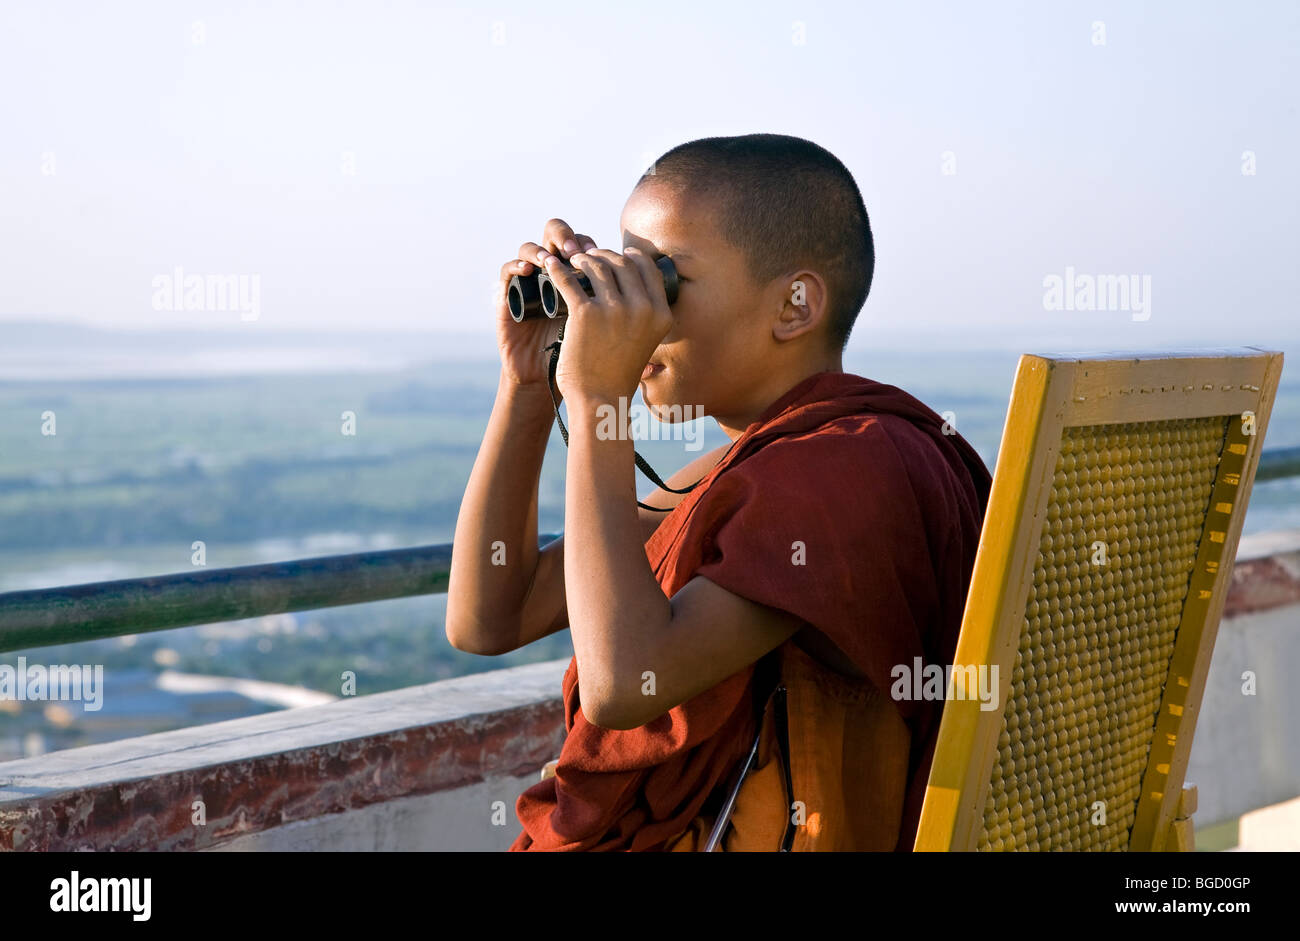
232	460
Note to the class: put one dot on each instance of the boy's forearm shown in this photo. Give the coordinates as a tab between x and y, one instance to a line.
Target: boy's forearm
616	608
495	549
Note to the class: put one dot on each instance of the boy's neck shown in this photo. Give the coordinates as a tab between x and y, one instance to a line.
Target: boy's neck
776	385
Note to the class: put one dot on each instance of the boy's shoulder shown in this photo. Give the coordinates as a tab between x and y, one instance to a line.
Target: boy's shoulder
872	444
877	468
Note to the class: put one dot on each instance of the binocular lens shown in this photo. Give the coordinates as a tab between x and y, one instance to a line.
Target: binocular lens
535	295
524	298
551	299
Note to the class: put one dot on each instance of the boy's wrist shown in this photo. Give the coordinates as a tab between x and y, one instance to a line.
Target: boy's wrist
595	417
528	397
587	398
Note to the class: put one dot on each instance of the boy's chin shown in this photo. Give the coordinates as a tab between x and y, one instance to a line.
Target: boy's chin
658	397
666	406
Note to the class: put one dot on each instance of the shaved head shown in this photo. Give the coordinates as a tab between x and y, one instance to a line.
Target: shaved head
785	203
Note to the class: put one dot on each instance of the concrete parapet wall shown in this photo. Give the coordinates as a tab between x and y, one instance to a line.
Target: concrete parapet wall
1246	753
479	734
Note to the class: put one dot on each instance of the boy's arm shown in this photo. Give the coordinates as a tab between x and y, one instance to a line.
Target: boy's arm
501	588
625	631
496	608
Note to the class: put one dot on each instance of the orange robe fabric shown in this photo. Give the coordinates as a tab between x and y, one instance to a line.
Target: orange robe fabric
849	751
846	505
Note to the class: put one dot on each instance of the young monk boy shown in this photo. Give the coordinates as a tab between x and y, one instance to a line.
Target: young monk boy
831	541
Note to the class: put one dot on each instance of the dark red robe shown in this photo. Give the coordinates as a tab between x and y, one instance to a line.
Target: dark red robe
888	509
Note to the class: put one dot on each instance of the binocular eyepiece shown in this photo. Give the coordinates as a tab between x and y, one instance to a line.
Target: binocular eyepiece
535	295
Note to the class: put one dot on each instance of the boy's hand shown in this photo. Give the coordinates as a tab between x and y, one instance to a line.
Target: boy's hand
522	344
609	337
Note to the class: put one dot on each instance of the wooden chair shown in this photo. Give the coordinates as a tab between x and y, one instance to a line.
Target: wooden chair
1118	499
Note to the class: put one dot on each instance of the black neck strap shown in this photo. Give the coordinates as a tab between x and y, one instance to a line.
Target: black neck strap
641	462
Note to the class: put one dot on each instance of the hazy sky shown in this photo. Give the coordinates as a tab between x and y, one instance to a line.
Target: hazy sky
374	163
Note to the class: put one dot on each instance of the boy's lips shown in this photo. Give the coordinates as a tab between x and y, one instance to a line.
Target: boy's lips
651	370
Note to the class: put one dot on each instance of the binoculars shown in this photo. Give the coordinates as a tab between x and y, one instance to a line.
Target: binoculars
534	295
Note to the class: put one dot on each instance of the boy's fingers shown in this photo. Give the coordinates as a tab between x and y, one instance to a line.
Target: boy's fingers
626	275
532	252
565	280
559	238
513	267
651	278
604	284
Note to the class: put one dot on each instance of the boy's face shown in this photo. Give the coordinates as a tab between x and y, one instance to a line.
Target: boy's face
715	354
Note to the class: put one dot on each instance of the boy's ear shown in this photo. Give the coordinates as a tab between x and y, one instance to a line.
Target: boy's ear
803	305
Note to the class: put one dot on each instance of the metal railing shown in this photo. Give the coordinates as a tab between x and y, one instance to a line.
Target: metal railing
49	616
1276	463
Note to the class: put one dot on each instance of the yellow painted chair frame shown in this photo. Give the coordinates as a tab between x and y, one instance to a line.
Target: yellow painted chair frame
1117	503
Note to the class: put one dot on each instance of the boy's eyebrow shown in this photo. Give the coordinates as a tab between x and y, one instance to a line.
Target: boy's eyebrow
670	254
